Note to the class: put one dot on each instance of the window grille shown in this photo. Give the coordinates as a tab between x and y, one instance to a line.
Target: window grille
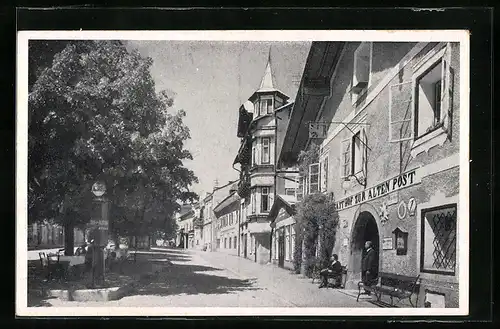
439	233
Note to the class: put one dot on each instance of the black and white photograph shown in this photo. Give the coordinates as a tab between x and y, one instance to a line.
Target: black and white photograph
242	172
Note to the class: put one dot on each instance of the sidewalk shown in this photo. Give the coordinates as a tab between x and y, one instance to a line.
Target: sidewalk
298	291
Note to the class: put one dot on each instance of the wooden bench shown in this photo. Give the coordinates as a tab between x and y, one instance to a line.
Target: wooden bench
343	277
395	286
51	266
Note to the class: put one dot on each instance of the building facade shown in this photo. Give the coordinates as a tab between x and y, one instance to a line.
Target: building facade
207	214
256	156
283	228
283	209
386	120
185	227
227	214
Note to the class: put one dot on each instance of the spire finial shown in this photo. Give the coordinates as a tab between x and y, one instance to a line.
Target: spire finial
267	82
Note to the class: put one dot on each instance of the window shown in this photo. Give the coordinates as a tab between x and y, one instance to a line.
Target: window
362	67
231	219
264	198
269	103
254	200
225	243
263	106
421	107
354	152
346	158
292	241
290	191
428	99
439	233
313	178
324	174
254	154
235	243
300	189
230	244
266	150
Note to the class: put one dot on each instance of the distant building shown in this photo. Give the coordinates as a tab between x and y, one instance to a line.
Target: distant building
227	213
198	226
207	215
184	220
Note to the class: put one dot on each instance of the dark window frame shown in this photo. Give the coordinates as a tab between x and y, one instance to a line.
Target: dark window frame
422	239
416	102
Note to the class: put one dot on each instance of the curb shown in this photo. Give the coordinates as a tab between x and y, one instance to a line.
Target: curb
92	295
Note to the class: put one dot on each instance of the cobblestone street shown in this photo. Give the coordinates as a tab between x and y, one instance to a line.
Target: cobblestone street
204	279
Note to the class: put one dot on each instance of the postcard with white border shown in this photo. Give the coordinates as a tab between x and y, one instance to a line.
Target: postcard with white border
177	173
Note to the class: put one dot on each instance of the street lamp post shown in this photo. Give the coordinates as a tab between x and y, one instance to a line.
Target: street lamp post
100	223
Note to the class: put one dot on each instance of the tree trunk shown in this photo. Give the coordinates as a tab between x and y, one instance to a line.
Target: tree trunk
303	263
69	237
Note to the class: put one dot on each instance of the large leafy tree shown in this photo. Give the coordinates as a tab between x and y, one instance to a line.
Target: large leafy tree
94	114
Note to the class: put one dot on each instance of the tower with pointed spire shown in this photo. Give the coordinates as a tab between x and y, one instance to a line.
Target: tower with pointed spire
256	156
267	98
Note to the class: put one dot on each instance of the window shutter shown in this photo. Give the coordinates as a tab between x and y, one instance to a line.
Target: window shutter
446	89
401	112
345	158
364	152
324	175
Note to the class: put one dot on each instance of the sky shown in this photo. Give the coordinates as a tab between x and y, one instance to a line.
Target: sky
210	81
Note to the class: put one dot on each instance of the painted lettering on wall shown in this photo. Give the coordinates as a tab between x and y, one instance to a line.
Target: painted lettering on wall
404	180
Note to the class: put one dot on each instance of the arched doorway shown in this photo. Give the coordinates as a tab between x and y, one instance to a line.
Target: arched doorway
365	229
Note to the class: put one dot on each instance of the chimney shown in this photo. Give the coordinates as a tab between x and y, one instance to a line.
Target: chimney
216	184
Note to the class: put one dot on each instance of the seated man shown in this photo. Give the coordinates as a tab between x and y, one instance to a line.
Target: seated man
334	270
